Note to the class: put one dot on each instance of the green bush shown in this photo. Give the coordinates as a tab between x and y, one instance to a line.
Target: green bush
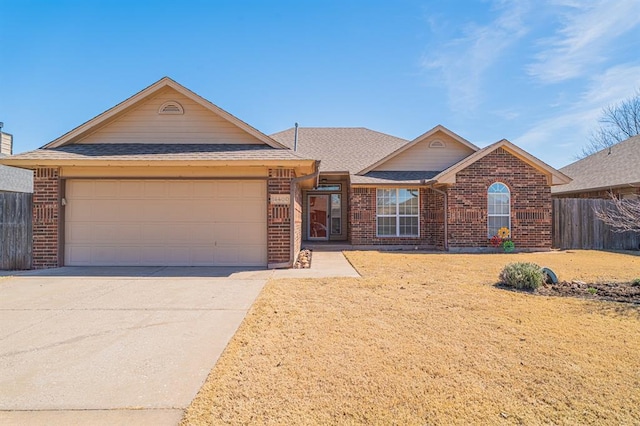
636	281
522	275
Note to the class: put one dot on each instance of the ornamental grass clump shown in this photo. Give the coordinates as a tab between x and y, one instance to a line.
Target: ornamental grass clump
522	275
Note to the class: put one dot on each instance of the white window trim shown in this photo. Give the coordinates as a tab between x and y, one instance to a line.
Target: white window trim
397	215
501	214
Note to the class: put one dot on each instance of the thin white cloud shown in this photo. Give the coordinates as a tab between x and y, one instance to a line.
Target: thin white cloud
589	29
462	62
506	114
570	130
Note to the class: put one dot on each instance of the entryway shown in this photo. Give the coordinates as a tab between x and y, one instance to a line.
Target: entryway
326	213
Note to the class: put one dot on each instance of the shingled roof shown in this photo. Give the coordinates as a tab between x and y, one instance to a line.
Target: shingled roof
13	179
341	149
393	177
159	152
613	167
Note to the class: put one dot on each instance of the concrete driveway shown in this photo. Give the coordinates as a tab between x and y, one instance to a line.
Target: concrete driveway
114	345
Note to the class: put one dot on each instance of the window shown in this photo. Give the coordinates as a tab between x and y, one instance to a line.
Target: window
336	214
499	208
397	212
436	144
329	187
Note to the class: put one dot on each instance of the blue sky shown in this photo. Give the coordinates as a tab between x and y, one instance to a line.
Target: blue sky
535	72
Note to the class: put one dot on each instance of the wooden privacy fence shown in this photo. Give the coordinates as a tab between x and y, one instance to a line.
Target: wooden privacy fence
575	226
15	230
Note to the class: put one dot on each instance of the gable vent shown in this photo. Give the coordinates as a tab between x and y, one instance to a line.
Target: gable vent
171	107
436	144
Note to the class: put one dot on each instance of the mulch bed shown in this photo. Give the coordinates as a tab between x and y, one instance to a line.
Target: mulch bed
626	292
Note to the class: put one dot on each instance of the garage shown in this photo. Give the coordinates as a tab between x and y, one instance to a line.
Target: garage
154	222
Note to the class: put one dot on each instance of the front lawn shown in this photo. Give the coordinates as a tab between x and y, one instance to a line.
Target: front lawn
429	339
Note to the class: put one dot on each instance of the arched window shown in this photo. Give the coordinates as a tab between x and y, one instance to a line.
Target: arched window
498	208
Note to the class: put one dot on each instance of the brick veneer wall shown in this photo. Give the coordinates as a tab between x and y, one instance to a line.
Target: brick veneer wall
530	202
435	218
362	220
279	217
46	217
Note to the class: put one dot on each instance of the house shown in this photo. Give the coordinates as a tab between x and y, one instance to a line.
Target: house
165	178
12	179
168	178
6	142
16	188
438	191
611	170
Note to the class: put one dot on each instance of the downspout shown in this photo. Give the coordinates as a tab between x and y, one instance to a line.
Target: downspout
430	184
292	209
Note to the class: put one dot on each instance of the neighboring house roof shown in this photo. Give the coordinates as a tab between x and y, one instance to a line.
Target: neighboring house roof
13	179
613	167
73	154
112	113
422	137
448	176
341	149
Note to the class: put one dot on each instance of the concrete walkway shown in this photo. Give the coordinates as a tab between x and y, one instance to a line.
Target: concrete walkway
324	264
122	345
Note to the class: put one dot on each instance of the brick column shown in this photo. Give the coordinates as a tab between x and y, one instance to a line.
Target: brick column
46	217
362	215
279	218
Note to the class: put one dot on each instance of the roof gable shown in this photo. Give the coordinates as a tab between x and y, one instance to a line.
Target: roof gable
151	116
436	150
554	177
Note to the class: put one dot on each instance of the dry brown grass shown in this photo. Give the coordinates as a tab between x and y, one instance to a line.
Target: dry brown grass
428	339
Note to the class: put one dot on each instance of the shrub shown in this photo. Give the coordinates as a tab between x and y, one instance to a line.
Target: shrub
522	275
636	281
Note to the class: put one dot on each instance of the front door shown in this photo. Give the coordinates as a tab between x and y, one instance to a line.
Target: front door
318	217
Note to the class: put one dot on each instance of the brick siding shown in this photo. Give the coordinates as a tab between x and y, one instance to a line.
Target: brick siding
362	220
467	208
279	217
46	218
530	202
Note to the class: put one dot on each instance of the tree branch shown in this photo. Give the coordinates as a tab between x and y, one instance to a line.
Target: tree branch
621	215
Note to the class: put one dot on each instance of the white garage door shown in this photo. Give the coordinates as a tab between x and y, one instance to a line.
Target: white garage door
166	222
